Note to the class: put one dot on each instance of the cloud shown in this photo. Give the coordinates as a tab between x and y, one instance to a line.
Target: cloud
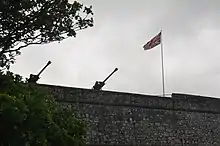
190	39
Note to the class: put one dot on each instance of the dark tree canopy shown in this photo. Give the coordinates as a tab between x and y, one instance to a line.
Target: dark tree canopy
27	22
31	117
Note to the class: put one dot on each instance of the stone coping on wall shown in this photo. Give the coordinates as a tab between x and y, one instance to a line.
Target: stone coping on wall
181	102
196	102
108	97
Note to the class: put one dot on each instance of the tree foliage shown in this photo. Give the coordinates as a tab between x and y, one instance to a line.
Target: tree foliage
27	22
30	118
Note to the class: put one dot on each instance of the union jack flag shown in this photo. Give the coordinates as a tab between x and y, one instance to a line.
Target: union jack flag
153	42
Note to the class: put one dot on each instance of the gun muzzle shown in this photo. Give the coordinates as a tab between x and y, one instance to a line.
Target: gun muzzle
49	62
115	69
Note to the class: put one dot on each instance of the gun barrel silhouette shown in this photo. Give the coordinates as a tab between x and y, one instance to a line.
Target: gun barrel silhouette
98	84
34	78
48	63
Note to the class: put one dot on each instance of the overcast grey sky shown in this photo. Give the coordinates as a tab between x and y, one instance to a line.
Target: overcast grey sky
191	48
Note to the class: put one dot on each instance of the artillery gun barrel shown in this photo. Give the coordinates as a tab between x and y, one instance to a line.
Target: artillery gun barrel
110	75
48	63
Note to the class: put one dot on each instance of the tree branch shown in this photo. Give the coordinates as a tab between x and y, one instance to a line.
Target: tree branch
46	6
19	48
77	23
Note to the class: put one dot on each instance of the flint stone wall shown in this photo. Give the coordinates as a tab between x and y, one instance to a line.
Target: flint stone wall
115	118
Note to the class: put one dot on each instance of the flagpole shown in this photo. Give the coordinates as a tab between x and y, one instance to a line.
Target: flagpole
162	64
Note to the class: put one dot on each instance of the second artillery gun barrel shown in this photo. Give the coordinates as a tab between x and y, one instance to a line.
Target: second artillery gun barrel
98	84
110	75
